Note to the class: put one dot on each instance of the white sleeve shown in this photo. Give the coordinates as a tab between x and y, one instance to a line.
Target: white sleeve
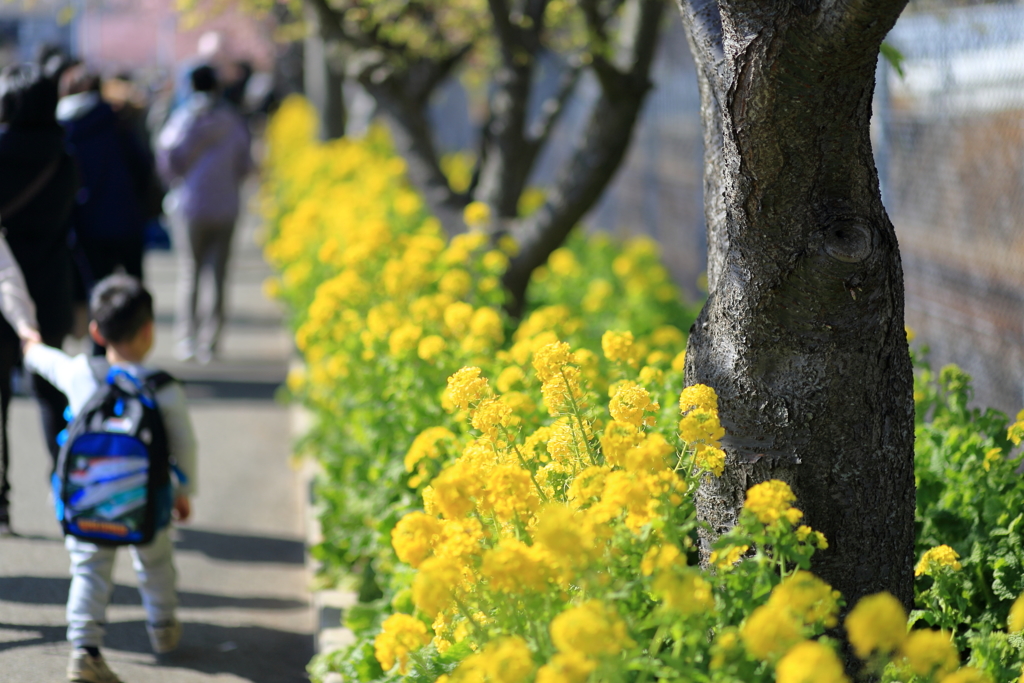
181	439
55	366
15	303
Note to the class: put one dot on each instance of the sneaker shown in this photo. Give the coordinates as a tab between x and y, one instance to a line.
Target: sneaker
84	668
5	524
184	350
164	637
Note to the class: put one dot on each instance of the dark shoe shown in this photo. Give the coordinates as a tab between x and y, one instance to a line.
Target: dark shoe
5	525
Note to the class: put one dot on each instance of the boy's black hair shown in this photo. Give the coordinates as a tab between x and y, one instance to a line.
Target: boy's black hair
204	78
121	306
27	98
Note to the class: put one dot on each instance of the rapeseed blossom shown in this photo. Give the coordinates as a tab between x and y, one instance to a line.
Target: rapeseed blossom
401	635
810	662
771	501
592	629
1015	622
936	559
877	624
930	653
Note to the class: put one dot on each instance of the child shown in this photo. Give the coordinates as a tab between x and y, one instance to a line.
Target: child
122	320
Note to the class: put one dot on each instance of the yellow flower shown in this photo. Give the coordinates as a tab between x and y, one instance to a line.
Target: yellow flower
434	584
685	592
562	533
511	493
967	674
486	323
930	653
768	632
510	378
425	445
701	427
567	667
456	489
402	634
660	558
629	404
1015	433
457	317
878	623
811	600
514	567
618	346
414	536
679	362
430	347
770	501
810	662
726	561
562	262
476	214
935	559
1015	622
591	629
550	360
493	417
698	396
506	660
404	339
710	458
455	282
466	387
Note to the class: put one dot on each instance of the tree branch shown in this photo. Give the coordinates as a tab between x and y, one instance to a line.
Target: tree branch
553	107
597	156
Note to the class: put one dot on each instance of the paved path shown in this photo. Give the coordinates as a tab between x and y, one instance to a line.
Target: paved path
242	578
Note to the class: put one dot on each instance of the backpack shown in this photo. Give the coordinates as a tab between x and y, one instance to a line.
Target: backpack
113	483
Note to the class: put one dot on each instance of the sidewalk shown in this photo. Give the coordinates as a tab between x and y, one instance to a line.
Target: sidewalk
242	578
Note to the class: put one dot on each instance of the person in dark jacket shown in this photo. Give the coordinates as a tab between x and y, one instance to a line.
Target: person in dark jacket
38	182
115	171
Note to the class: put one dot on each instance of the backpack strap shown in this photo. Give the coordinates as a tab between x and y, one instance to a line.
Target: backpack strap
158	380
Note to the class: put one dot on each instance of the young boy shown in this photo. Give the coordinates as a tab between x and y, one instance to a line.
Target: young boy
122	321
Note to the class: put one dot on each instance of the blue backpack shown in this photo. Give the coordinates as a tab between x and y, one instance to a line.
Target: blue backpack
113	482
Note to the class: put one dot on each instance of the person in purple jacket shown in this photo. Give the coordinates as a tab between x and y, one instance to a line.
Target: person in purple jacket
203	154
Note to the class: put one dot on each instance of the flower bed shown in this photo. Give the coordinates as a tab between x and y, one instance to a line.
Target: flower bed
519	500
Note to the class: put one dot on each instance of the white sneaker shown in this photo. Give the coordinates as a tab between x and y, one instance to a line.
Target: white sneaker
164	638
84	668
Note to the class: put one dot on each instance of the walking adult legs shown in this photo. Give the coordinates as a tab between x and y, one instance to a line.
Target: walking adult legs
204	247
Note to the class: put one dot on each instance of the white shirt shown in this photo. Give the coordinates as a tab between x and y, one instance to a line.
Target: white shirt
74	377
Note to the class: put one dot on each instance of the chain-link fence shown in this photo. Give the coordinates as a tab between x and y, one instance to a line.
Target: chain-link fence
949	136
950	145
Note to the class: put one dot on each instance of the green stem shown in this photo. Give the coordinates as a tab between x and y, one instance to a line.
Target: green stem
576	412
652	651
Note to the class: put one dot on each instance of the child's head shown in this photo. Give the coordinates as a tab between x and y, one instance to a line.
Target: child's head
122	313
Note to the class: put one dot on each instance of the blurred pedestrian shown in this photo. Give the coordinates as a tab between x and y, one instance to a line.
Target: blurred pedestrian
203	153
115	172
38	182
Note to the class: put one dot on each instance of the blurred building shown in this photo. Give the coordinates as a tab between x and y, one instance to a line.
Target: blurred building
128	35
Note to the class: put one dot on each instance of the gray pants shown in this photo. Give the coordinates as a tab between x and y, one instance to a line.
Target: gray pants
202	247
92	583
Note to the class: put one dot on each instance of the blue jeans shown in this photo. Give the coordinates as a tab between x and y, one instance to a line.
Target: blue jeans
92	583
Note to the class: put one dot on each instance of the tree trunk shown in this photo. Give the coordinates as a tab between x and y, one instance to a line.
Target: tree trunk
803	335
323	82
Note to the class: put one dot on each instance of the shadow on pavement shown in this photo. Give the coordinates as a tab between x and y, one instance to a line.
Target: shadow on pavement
240	547
34	590
253	653
230	390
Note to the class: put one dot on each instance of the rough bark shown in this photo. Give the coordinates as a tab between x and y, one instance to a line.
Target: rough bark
803	335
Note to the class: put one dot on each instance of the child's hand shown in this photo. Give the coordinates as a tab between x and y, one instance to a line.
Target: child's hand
182	508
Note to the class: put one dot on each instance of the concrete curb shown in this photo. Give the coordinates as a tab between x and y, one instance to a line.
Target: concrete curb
327	605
